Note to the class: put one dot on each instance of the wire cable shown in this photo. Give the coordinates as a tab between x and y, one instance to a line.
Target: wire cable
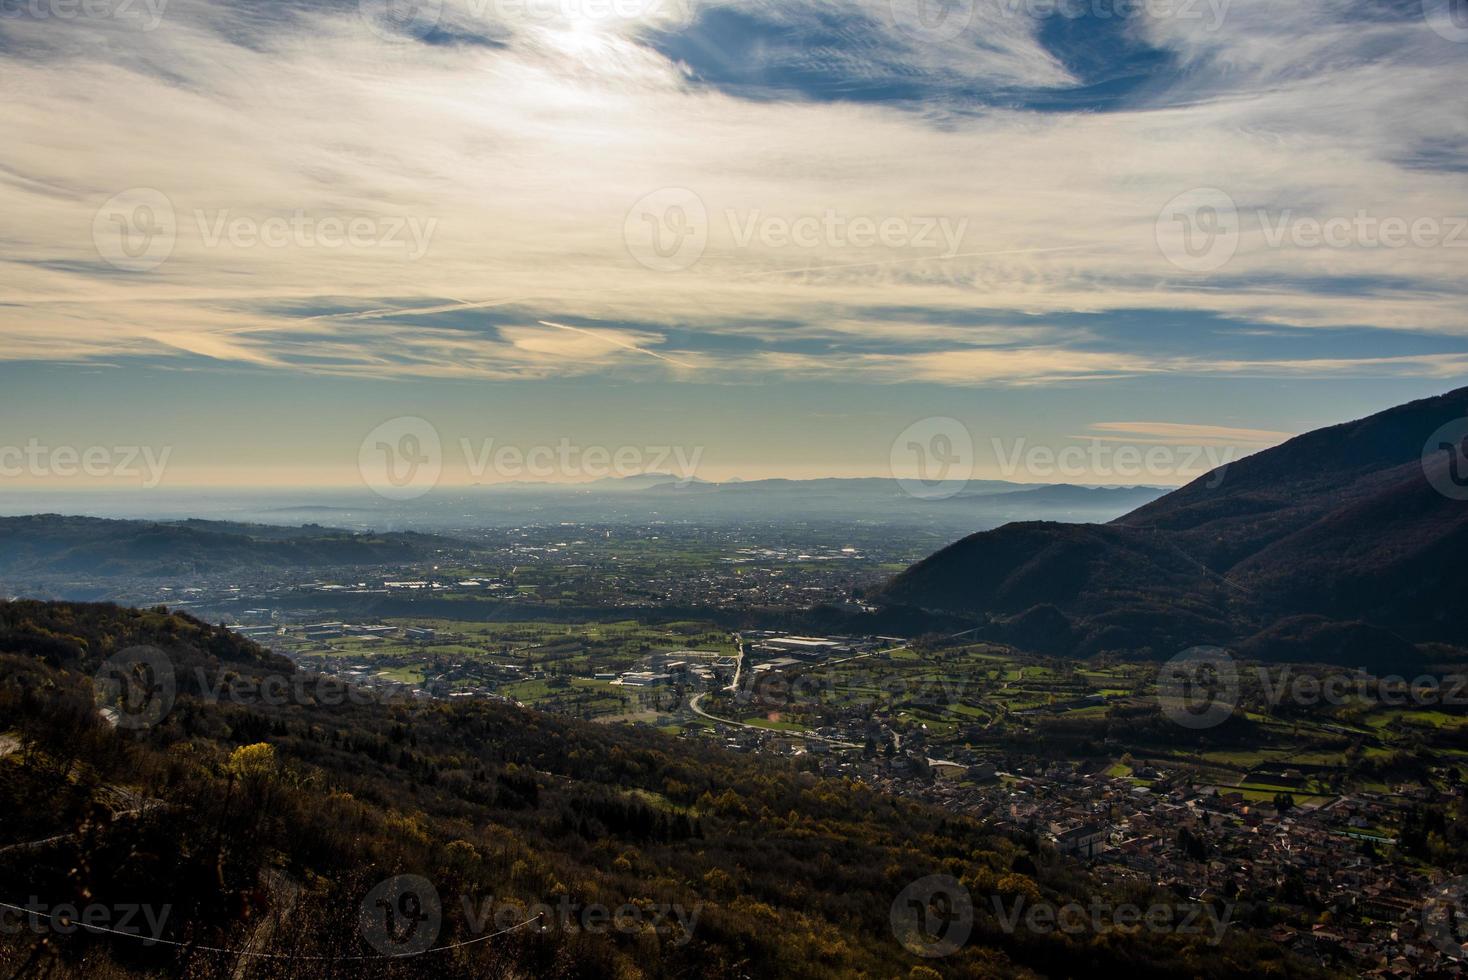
274	956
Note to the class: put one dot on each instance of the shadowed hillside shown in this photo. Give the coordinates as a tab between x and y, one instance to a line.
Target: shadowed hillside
1342	524
268	823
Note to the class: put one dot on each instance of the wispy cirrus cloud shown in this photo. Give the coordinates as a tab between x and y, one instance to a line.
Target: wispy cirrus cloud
1178	433
493	162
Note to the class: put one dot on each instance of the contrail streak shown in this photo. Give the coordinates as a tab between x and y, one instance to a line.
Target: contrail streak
614	341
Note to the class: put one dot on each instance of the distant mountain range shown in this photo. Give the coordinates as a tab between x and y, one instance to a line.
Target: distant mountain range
981	503
1336	546
53	544
871	487
641	499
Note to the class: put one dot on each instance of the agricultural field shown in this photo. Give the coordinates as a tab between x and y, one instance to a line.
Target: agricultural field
982	701
966	703
552	666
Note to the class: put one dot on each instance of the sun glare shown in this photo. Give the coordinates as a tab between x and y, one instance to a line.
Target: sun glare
584	39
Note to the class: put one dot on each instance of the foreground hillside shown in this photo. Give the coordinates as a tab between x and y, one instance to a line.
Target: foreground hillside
1345	531
267	818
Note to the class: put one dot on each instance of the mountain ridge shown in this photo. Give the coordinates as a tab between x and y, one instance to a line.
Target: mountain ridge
1342	523
106	546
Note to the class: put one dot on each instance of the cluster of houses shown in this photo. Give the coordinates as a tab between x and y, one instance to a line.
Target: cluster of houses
1322	868
699	668
1323	864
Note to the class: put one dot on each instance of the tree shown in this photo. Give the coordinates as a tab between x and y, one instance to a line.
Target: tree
252	763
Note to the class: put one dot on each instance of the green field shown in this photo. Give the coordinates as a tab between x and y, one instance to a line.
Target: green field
545	665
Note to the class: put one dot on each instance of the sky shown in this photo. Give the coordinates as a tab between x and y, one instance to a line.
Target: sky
252	244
